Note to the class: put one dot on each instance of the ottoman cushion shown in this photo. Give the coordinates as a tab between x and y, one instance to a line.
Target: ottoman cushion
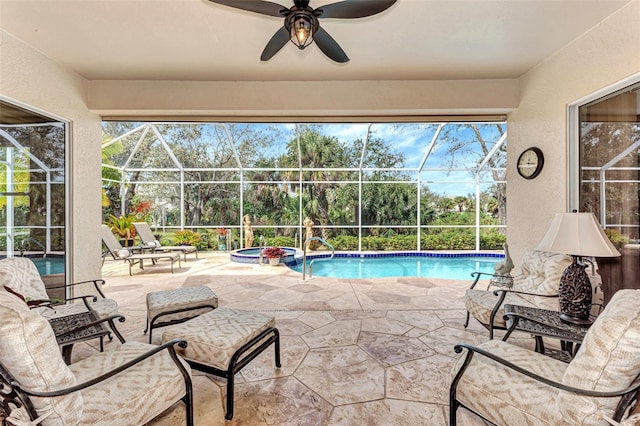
180	298
215	336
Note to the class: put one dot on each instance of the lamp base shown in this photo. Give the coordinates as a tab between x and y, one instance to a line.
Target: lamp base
573	320
575	294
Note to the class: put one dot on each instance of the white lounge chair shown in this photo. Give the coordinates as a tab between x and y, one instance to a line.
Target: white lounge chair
133	255
148	239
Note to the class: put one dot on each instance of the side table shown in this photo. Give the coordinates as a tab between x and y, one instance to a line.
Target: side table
545	323
71	329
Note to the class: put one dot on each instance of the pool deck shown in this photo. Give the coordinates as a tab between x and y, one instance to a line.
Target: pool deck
372	351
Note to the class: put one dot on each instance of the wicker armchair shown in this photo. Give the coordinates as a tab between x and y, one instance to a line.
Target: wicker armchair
129	384
509	385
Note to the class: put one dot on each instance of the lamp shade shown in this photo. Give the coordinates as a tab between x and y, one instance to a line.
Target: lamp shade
577	234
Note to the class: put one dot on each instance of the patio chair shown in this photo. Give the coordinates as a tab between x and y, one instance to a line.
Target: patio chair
129	384
148	239
510	385
20	275
133	255
535	282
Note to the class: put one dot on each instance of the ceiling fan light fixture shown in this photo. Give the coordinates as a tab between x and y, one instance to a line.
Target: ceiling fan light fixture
301	28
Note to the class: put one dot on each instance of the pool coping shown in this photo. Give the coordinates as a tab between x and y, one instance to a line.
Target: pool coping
296	258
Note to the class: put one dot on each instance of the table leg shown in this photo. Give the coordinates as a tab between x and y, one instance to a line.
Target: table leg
66	353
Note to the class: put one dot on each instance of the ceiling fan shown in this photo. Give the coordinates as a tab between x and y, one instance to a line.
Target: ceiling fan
301	24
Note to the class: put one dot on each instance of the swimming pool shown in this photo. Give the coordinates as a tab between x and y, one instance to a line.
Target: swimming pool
452	266
49	265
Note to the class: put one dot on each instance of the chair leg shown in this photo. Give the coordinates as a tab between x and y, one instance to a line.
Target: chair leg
466	321
230	383
453	411
188	402
115	331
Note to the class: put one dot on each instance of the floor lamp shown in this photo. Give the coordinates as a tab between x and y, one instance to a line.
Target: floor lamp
578	235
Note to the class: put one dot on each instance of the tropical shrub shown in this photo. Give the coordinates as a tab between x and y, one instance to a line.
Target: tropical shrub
187	237
282	241
344	242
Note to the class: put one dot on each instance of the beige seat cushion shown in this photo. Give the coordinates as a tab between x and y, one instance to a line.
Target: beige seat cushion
215	336
539	272
138	394
29	351
103	307
506	397
609	359
180	298
21	275
480	303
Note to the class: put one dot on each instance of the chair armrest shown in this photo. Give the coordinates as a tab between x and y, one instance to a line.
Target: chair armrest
84	300
626	393
508	290
94	282
110	318
477	276
169	346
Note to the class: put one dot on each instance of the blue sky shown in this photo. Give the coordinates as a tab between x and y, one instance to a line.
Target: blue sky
410	139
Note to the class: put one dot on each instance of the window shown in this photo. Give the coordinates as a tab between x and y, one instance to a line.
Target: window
609	178
426	185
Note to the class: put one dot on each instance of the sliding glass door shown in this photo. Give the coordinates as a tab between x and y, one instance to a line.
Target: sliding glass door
609	176
32	189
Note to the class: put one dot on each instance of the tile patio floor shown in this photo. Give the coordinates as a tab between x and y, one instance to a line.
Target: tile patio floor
354	352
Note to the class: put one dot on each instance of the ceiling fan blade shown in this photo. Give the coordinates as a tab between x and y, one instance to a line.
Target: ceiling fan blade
258	6
354	9
329	46
277	42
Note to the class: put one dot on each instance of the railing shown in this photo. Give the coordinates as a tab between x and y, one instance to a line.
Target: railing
304	256
25	245
261	240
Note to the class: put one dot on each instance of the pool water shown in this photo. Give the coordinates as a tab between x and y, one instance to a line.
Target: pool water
454	267
49	265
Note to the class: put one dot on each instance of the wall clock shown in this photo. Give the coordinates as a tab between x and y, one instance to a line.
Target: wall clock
530	162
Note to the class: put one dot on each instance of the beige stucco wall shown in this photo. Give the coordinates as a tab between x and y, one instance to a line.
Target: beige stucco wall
608	53
29	78
312	99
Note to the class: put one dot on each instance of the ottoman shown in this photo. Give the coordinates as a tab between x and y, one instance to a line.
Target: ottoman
178	305
223	341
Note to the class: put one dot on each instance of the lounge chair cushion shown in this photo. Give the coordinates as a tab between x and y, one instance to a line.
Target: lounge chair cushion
539	272
21	275
480	304
607	360
215	336
138	395
40	367
505	396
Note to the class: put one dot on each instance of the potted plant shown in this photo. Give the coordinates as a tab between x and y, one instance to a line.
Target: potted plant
122	227
222	238
274	254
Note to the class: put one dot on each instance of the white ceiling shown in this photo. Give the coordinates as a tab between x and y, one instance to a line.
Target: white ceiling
199	40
